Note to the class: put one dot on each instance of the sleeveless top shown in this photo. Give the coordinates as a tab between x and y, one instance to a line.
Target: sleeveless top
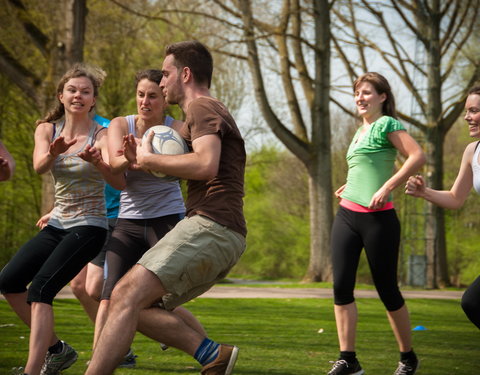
79	186
146	196
476	168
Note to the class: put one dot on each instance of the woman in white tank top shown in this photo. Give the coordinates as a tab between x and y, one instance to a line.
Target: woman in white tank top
468	177
149	206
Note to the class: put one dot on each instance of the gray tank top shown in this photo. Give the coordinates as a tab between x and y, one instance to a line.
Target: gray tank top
476	168
147	196
79	188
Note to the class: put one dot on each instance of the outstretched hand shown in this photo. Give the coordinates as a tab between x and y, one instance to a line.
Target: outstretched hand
130	150
59	146
415	186
91	154
145	148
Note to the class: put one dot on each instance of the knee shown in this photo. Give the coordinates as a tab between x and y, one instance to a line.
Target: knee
94	290
9	284
342	295
122	294
78	287
392	300
470	305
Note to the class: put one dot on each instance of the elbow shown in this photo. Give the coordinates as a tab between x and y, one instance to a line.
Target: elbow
119	185
207	173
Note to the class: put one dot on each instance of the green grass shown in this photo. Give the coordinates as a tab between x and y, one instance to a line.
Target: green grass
276	336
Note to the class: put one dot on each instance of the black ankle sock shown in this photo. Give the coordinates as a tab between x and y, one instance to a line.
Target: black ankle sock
408	356
56	348
348	356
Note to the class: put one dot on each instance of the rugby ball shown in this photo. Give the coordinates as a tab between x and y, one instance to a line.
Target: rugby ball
166	141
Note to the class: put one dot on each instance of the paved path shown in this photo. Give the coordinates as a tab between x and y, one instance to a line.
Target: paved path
273	292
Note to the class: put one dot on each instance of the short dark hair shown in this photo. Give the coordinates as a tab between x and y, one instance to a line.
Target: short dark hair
194	55
381	86
153	75
475	90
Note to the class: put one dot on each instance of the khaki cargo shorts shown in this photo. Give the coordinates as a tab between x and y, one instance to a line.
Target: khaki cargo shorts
192	257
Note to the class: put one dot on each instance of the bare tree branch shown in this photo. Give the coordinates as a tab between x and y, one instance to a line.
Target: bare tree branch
39	39
19	75
292	142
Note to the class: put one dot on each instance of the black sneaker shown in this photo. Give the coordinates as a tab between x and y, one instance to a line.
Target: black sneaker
342	367
408	367
129	361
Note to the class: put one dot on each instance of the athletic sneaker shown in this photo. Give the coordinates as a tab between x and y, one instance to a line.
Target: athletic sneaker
129	360
408	367
224	363
17	371
342	367
56	362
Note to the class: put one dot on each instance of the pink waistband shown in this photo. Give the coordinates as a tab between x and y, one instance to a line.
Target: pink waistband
352	206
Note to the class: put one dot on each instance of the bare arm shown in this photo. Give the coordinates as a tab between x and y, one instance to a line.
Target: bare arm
456	196
45	151
98	156
7	163
409	148
201	164
117	129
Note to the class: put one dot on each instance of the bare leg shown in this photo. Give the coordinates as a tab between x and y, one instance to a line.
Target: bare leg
18	302
346	317
101	320
400	323
168	328
190	320
94	281
136	291
180	311
78	286
40	336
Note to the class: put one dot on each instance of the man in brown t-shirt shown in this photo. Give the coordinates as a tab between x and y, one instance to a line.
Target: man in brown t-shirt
204	246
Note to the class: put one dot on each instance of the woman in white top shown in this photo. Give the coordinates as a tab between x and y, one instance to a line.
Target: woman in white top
149	206
468	176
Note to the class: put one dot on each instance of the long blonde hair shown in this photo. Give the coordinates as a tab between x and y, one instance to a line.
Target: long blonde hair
95	74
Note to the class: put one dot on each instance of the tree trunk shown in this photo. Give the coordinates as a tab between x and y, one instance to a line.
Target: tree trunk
435	244
66	49
320	190
320	167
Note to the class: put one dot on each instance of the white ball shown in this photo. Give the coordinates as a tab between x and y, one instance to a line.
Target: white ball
166	141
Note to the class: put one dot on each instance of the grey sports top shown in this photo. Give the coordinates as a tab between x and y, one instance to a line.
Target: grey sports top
147	196
79	188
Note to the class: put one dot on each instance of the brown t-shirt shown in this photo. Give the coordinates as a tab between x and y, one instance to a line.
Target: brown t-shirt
221	198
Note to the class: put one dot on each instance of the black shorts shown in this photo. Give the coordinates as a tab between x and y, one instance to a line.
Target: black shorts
50	260
130	239
99	260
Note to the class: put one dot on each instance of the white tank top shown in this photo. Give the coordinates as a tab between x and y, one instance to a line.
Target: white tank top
476	168
147	196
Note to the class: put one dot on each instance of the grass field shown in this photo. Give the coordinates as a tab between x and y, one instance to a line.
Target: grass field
276	336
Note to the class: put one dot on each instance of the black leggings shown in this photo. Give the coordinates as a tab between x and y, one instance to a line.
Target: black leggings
471	302
377	232
50	260
130	239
